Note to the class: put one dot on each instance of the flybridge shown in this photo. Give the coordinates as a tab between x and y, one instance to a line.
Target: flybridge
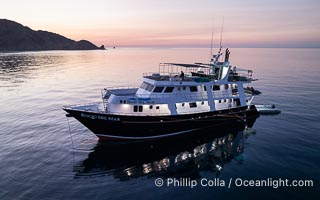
201	72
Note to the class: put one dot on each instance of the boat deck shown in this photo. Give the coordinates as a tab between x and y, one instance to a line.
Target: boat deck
97	107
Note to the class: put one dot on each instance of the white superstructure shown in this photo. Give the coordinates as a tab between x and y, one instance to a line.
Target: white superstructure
179	89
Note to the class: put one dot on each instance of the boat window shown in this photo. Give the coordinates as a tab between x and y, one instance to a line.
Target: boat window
157	107
193	105
226	86
182	104
220	101
193	89
234	91
150	106
143	85
150	87
147	86
168	89
216	87
237	102
158	89
225	100
204	88
120	101
202	103
137	108
124	101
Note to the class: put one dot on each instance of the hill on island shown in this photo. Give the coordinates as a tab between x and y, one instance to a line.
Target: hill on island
16	37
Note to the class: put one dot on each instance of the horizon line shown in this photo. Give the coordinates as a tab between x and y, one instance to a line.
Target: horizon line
203	46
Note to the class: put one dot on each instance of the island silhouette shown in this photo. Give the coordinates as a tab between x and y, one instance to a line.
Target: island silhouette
16	37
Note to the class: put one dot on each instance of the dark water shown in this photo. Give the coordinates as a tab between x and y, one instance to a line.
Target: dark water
40	161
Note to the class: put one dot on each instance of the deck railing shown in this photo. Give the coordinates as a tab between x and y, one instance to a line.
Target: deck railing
95	106
168	76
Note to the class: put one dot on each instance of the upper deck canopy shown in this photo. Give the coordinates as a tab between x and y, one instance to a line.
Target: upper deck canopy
196	65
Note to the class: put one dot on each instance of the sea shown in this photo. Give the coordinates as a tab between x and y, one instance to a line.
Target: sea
46	155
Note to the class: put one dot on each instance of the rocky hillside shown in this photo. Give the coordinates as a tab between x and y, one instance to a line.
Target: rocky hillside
16	37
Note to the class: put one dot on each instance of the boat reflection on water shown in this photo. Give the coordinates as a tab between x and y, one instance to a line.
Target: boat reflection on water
179	157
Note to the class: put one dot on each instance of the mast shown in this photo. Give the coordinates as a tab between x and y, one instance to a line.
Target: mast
221	39
215	57
226	58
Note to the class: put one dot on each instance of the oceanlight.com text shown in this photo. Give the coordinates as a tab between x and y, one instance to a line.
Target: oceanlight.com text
232	182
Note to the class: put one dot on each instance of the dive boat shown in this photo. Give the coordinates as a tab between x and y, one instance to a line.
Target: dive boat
179	99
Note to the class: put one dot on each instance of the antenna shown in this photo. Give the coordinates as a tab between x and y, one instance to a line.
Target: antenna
221	32
211	42
211	55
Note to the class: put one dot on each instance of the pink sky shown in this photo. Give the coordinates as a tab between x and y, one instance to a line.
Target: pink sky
247	23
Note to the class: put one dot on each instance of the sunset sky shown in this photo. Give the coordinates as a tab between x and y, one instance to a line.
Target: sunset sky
247	23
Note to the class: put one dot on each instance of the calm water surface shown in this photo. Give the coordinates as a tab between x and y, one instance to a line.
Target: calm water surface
44	155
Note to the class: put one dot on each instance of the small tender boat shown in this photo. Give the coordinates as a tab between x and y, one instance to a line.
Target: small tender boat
267	109
252	91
